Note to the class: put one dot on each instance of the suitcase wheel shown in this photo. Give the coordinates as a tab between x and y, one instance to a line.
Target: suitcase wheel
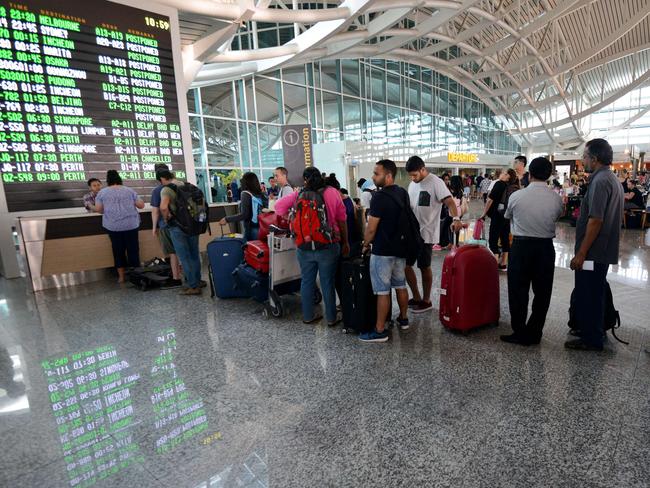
344	330
270	311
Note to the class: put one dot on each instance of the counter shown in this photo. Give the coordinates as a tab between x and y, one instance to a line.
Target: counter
69	250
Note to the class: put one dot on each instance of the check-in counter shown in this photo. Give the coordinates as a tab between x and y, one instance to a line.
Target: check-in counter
69	250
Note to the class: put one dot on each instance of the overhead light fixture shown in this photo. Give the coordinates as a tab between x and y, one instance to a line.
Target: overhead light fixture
627	151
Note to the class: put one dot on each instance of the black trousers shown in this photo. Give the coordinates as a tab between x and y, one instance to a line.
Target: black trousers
499	231
126	248
531	261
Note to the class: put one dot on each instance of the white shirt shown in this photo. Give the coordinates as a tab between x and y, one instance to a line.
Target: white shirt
366	196
426	201
534	210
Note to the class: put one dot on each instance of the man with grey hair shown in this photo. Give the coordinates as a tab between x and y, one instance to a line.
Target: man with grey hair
597	244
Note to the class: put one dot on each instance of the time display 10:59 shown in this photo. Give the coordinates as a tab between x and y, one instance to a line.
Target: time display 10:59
159	23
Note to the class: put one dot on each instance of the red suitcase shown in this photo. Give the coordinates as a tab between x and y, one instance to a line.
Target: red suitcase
469	295
256	255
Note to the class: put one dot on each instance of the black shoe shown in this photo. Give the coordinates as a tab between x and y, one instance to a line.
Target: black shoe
174	283
203	284
580	345
515	339
574	332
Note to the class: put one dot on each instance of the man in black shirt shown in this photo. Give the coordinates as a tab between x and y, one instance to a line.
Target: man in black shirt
633	197
388	259
520	169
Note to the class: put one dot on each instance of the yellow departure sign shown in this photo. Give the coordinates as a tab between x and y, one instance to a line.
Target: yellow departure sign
455	157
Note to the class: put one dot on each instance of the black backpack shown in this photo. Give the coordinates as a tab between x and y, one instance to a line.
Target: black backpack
191	214
409	228
612	317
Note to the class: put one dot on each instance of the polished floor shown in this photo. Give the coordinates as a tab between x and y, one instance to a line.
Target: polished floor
115	387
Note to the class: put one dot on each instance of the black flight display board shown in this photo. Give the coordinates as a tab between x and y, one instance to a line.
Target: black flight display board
85	86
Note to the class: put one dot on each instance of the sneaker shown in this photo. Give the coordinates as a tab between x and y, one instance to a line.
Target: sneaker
437	247
203	284
403	323
503	267
374	336
423	307
414	303
191	291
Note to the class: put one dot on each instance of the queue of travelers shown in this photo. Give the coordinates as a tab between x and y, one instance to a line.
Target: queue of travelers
522	203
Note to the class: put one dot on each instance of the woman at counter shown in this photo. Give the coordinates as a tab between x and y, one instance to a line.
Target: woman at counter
253	200
119	206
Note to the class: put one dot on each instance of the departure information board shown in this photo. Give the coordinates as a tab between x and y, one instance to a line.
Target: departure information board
85	86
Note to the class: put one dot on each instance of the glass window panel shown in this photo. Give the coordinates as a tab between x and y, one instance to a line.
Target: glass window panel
218	100
378	123
427	99
328	75
219	181
221	142
268	103
295	104
352	118
271	145
295	74
350	76
192	101
393	89
332	112
252	137
378	85
196	133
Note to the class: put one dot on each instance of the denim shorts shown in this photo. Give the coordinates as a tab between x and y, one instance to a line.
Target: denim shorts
387	272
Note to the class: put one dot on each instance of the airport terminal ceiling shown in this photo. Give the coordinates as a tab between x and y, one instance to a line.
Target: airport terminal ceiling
556	72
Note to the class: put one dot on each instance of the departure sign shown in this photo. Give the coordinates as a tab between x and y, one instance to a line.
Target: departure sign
85	86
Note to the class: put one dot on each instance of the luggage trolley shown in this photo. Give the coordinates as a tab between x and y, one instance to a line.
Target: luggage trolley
284	271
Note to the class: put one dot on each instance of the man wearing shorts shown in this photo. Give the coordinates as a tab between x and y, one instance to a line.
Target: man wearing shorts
160	229
388	258
427	194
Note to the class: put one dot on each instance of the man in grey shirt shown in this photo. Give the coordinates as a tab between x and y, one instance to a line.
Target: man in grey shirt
533	212
597	241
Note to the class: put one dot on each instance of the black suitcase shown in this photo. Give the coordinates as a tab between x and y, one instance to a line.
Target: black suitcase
358	302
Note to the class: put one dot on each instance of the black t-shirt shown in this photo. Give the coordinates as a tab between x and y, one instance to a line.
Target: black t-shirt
388	211
496	195
637	198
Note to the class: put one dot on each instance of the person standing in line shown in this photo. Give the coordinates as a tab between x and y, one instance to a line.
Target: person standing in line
520	168
272	190
253	200
322	260
186	246
484	187
533	213
368	189
499	236
119	205
282	179
597	243
467	186
89	198
160	230
427	194
388	257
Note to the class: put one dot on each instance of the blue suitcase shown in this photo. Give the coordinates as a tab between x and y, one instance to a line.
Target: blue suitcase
251	282
224	255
